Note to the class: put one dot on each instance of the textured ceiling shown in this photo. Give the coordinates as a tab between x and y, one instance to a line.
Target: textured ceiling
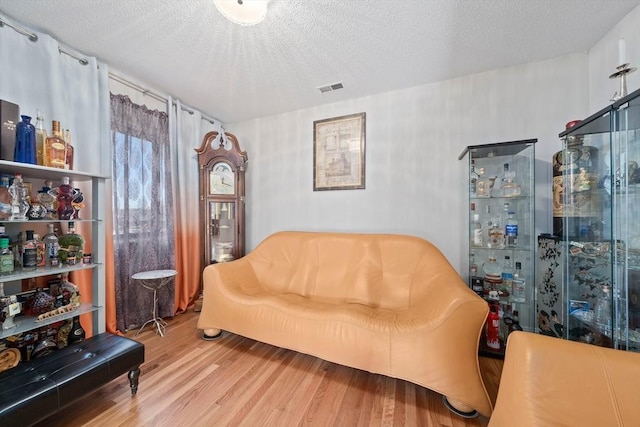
185	48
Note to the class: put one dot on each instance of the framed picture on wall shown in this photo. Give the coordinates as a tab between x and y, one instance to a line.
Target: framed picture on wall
339	153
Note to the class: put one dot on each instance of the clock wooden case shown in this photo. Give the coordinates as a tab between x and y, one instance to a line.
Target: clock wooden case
222	197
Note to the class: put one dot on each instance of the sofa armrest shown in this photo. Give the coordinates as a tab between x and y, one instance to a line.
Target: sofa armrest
553	382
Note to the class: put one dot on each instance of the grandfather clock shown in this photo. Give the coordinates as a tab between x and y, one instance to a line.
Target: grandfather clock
222	219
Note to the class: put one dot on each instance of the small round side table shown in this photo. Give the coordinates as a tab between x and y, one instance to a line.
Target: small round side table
154	280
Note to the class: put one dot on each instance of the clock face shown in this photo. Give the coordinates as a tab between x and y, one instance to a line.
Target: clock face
221	179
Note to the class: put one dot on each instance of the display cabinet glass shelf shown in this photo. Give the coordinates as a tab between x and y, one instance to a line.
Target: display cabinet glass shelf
500	232
90	224
600	233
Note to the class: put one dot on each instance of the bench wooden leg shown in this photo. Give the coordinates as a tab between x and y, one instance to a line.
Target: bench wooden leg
134	375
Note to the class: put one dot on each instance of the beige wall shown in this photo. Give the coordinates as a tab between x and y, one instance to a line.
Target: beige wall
414	180
414	136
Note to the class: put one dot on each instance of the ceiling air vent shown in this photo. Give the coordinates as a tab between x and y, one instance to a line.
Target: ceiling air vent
331	87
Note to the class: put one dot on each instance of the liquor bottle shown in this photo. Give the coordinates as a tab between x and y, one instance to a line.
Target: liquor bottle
519	285
29	252
496	233
508	186
41	136
474	177
65	194
3	233
62	339
511	230
5	199
76	334
25	146
51	247
476	228
493	328
47	200
69	150
505	174
55	148
6	256
507	276
19	199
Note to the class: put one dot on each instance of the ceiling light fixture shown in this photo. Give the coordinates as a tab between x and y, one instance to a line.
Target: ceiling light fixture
242	12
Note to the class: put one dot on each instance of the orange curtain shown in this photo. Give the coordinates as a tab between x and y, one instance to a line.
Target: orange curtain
109	262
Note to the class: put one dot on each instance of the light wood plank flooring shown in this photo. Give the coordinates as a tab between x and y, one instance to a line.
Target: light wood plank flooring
235	381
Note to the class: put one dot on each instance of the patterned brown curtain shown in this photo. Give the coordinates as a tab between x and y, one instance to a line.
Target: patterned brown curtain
143	233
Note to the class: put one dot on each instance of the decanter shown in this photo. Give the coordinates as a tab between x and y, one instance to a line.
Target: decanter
19	199
64	194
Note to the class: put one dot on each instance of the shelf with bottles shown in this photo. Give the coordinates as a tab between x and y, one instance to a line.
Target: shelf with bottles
500	171
44	172
26	323
44	271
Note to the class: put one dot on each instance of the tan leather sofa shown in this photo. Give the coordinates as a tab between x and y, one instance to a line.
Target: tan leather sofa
387	304
553	382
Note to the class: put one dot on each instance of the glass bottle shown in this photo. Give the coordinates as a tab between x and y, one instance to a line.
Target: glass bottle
5	198
474	177
64	194
63	334
41	136
507	276
518	285
508	186
6	256
3	233
511	230
69	150
76	334
47	200
476	228
51	247
602	315
55	148
29	252
19	199
25	147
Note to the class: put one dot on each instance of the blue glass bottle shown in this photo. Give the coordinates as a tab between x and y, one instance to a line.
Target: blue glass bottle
25	148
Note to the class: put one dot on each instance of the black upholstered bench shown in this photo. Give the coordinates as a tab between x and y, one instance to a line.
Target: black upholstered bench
36	389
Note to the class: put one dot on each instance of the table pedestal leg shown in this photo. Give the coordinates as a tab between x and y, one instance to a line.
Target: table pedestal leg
159	323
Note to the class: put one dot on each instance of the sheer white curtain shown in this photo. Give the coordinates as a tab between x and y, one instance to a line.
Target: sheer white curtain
187	128
37	76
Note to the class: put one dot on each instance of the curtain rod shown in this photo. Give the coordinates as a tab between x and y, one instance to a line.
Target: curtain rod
34	38
31	36
155	95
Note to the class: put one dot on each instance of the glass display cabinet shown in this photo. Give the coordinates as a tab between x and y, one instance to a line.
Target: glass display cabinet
222	197
600	232
500	243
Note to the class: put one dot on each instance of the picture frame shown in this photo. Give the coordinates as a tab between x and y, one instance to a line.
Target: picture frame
339	153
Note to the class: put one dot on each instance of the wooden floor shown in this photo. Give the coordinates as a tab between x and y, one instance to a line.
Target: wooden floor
235	381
